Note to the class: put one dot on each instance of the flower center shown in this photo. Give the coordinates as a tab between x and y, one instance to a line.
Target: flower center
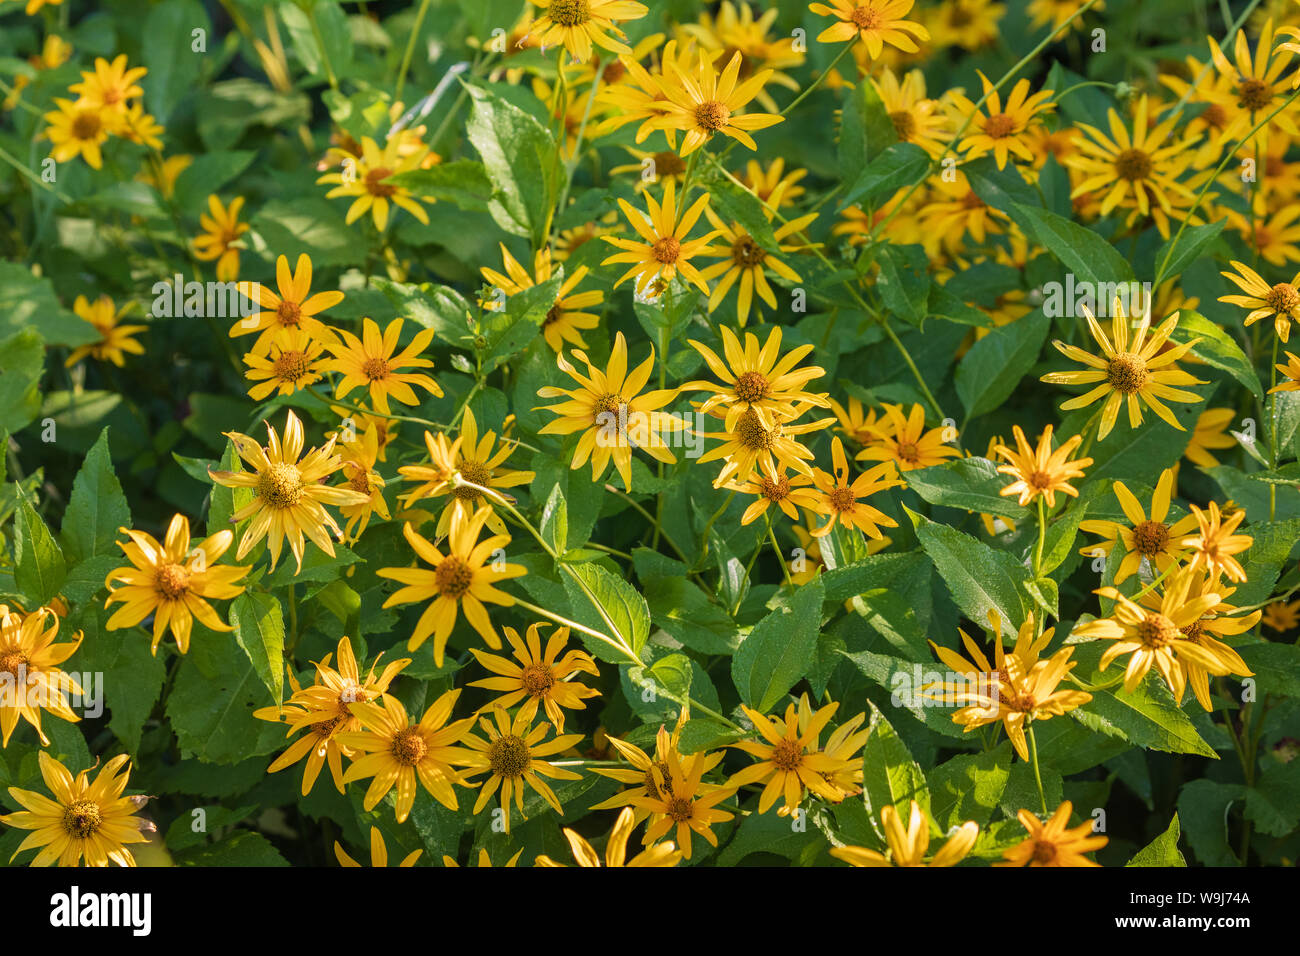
1283	297
907	452
787	755
667	249
1192	632
1215	116
668	164
86	125
971	202
570	13
1151	537
842	498
1044	852
360	482
408	746
712	115
680	809
291	366
552	315
1133	164
375	184
537	680
1156	630
1126	373
453	577
1040	480
11	661
666	774
1254	94
509	756
324	729
774	490
751	434
81	819
999	125
172	580
472	471
747	253
280	486
904	124
752	387
864	18
288	313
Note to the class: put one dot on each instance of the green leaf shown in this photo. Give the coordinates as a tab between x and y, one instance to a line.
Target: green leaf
898	167
173	64
609	604
259	630
40	567
979	578
1273	803
969	787
96	509
132	676
904	679
1162	851
436	307
208	173
904	281
320	35
968	483
1216	348
988	374
1180	251
1090	257
865	130
555	520
240	848
28	303
1203	806
685	613
779	651
733	204
1003	189
890	777
462	181
310	224
508	332
22	362
786	836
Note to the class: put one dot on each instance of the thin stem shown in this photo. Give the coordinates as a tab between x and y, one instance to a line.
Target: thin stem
320	45
1038	777
1042	537
410	49
776	547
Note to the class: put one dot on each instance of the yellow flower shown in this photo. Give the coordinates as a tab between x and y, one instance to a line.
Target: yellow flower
858	424
29	659
79	129
612	414
706	103
1271	230
511	757
735	28
378	853
1138	170
89	819
680	800
906	443
908	847
460	579
294	362
1000	129
1128	370
661	854
843	500
916	118
366	178
1209	434
757	378
1215	544
789	493
288	496
788	758
114	340
1259	84
877	22
1281	301
538	678
397	752
664	250
111	85
220	239
566	319
1041	471
1148	539
359	457
163	177
744	259
372	362
1051	844
172	581
577	25
751	445
773	186
1282	616
139	127
484	860
325	710
953	212
650	776
1291	375
290	311
969	24
1056	12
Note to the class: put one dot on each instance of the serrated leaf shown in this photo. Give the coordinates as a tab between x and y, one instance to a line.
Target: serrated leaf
259	630
779	651
97	507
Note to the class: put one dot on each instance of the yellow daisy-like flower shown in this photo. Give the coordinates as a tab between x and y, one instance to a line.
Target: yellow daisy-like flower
772	185
163	177
843	500
577	25
294	363
1214	544
1290	375
1271	229
484	860
757	377
737	28
1056	12
220	239
378	853
511	755
399	753
1145	538
373	363
876	22
1259	82
292	310
30	661
745	260
1282	616
788	759
909	846
1280	301
1003	129
857	423
649	776
750	445
538	678
80	129
664	250
111	85
324	710
1136	171
114	340
680	800
459	580
705	103
1128	371
1041	471
173	581
565	320
916	118
366	180
1209	434
611	412
773	487
906	443
288	494
661	854
139	127
1052	843
359	458
86	819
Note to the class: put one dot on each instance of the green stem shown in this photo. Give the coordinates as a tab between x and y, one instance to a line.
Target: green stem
1042	537
1038	777
410	49
320	45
